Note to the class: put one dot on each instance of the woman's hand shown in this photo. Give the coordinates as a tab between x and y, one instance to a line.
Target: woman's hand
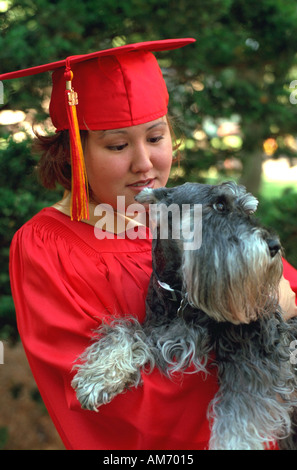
287	299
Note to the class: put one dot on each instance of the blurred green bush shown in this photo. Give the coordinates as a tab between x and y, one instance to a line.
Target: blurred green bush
280	213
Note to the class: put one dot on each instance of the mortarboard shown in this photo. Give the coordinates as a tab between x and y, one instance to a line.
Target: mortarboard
109	89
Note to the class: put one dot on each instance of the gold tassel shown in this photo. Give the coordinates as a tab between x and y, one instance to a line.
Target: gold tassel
79	184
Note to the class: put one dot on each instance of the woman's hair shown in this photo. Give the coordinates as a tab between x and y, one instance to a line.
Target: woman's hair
54	165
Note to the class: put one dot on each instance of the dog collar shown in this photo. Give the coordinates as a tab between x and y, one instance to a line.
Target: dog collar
175	295
167	287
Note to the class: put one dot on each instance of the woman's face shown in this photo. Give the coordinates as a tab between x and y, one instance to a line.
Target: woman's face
122	162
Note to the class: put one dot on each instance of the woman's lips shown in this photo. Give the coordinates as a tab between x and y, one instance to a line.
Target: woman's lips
142	184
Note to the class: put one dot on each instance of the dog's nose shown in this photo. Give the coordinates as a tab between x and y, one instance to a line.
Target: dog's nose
274	246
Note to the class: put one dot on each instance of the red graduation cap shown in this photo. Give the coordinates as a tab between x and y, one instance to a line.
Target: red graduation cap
109	89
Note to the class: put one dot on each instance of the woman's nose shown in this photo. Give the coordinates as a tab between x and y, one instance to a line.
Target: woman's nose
141	161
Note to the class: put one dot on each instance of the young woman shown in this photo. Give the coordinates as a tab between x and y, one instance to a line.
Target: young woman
68	275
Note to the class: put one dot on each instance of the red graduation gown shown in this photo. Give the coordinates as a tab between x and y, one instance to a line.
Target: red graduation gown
290	274
64	282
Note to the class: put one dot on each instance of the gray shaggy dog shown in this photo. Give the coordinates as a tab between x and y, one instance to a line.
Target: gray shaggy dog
212	303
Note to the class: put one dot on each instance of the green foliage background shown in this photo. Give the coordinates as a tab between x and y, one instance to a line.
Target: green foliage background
240	69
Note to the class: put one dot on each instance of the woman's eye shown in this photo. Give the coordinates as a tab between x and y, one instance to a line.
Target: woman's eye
116	148
154	140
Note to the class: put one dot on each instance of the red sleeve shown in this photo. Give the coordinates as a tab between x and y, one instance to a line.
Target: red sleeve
57	312
290	273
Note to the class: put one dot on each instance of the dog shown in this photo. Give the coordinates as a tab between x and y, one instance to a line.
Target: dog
212	304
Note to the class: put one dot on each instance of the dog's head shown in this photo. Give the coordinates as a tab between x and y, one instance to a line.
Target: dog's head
231	265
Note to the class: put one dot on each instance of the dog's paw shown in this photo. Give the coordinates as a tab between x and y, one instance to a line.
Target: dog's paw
112	364
95	390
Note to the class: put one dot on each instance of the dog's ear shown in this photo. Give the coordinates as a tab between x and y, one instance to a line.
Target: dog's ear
246	200
152	196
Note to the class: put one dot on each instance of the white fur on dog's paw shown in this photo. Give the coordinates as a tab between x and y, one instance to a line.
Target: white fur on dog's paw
112	364
96	388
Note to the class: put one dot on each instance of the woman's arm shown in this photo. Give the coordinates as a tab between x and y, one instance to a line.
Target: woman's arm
288	290
287	299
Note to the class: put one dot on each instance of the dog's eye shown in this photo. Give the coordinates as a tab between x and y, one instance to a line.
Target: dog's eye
219	206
